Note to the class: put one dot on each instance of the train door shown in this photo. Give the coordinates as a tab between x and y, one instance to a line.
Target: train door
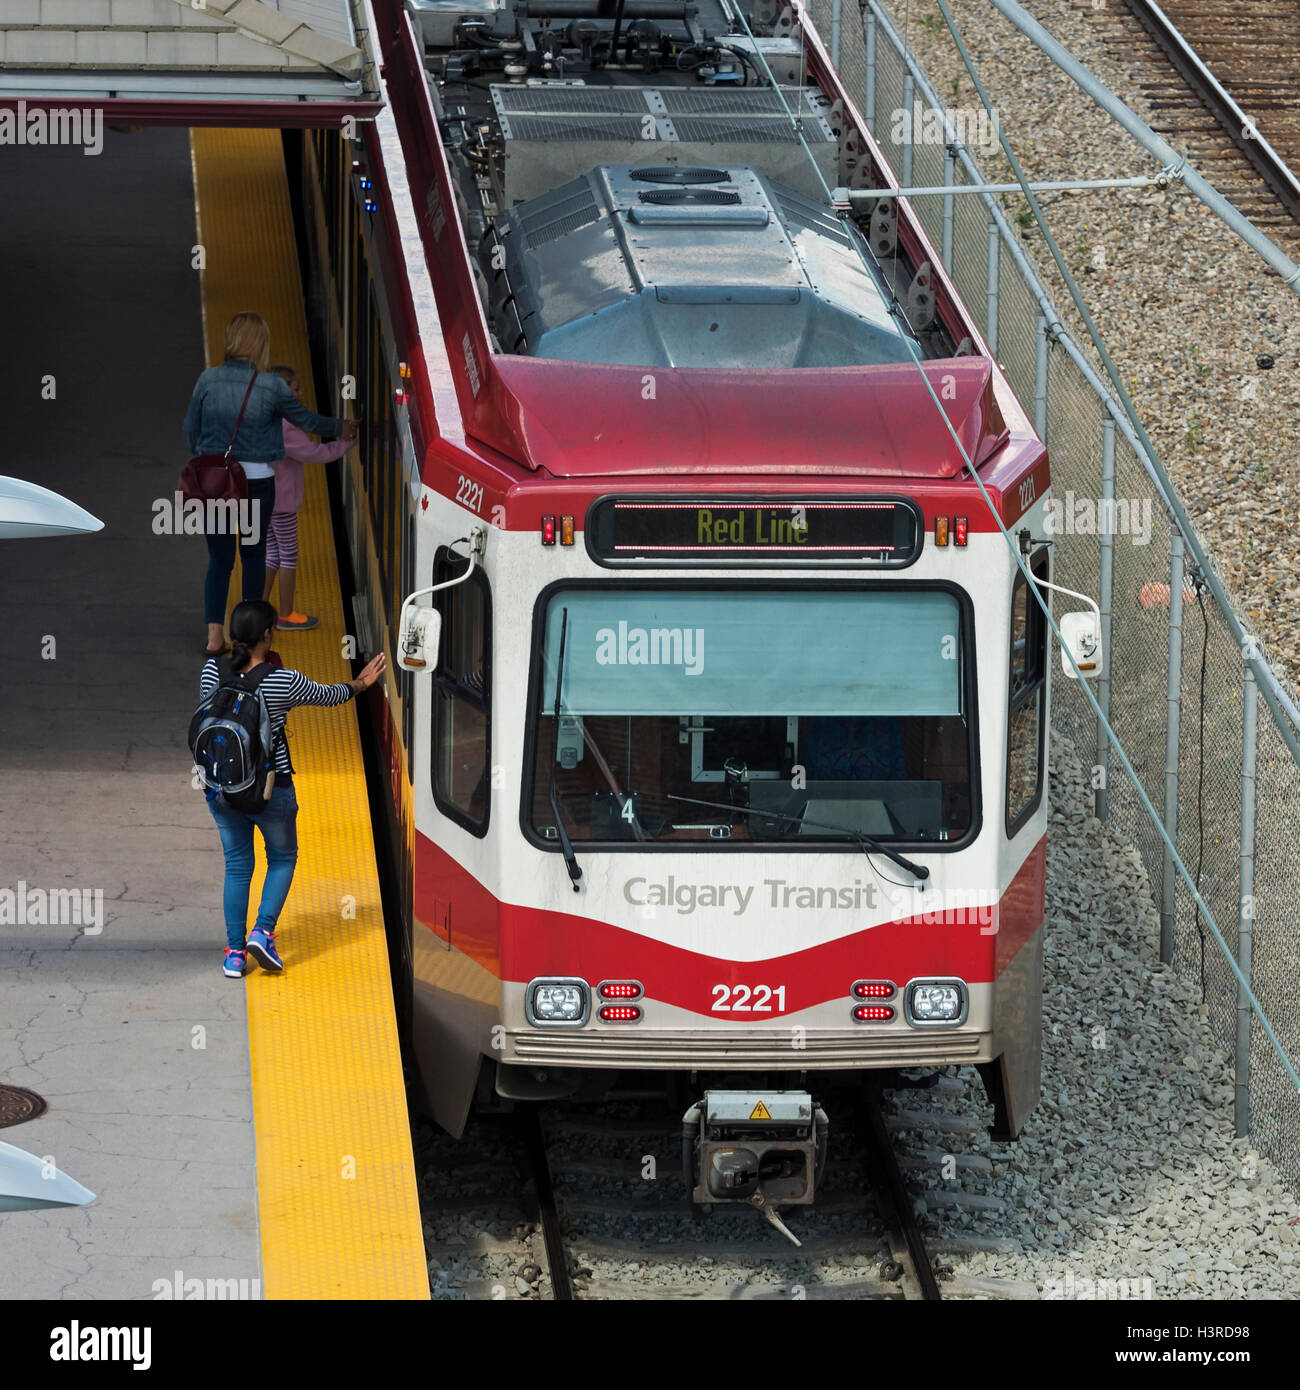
1027	701
1012	1078
462	685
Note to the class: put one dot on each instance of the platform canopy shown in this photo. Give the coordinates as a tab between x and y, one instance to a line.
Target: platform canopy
185	62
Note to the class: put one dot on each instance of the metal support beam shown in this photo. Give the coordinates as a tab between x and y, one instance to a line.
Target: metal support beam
951	186
909	144
1246	920
1040	379
1101	800
869	86
950	179
837	24
991	302
1173	713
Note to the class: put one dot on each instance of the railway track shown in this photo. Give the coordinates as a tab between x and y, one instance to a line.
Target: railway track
585	1203
615	1225
1220	81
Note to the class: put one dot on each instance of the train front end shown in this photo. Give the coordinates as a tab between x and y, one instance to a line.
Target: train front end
761	805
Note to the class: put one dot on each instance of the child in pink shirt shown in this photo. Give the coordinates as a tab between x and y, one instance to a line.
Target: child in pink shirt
282	537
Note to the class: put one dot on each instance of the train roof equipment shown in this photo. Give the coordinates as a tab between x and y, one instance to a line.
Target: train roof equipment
627	215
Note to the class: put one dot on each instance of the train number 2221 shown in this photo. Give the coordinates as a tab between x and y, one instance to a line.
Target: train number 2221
741	999
470	494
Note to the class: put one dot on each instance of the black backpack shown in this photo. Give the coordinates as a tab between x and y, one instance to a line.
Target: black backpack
230	739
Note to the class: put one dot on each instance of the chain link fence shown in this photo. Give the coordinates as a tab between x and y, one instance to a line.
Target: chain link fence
1222	767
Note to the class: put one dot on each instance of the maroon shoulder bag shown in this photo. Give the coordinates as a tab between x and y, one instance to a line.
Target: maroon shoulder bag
218	477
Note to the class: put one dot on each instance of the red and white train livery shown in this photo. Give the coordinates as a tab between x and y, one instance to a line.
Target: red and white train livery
717	703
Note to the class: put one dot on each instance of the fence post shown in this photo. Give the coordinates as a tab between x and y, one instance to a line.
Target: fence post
949	181
869	88
1101	803
1173	708
1040	380
991	305
837	19
909	140
1246	918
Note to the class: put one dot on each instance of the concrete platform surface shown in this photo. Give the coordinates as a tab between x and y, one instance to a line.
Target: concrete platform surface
131	1033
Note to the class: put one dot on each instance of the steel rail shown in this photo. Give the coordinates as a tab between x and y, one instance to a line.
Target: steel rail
1270	165
882	1152
528	1124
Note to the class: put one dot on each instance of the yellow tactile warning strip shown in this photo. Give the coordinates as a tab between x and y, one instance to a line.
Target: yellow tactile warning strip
335	1173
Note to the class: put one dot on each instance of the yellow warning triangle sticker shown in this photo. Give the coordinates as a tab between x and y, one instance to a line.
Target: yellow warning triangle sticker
760	1112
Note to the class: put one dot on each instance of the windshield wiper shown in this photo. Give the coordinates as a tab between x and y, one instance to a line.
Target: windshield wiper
570	859
918	871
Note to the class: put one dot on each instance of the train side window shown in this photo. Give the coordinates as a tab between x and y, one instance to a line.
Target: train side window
461	690
1027	706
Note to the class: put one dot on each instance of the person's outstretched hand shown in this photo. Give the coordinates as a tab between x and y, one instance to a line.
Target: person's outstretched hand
372	672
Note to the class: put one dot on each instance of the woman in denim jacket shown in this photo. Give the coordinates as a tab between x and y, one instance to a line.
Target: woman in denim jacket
209	421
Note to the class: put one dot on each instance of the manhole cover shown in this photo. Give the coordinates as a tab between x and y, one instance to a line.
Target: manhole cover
18	1105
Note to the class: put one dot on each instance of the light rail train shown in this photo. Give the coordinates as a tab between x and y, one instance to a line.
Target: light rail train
714	732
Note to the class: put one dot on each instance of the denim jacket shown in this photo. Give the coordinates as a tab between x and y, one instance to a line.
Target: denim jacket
215	404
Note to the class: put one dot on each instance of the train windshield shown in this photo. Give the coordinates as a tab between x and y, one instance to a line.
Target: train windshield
752	715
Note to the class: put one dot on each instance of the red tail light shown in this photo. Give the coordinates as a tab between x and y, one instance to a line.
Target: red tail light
548	530
870	1013
624	1013
959	531
874	989
620	989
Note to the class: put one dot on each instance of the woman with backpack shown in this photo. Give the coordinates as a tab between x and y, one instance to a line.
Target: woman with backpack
240	405
277	690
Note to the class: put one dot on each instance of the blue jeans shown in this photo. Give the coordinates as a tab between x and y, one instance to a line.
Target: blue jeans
279	826
252	553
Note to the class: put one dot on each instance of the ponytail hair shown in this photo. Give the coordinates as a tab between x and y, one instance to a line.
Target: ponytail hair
248	625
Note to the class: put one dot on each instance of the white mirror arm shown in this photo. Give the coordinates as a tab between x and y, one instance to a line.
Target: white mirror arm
1073	593
475	551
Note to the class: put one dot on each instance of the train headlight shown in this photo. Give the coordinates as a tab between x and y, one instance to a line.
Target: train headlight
558	1001
936	1002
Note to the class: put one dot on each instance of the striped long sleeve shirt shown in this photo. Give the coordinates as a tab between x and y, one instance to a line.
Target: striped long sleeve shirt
284	690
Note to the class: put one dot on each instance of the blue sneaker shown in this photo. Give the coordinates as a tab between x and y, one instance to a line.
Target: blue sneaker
234	964
261	946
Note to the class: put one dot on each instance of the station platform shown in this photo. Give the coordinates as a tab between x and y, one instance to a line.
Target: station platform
250	1131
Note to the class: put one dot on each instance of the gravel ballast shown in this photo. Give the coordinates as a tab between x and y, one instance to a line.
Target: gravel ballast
1129	1170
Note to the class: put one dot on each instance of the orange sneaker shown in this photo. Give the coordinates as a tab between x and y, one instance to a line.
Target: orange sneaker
296	621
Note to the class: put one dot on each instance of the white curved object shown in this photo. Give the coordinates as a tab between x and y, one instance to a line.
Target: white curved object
24	1186
27	510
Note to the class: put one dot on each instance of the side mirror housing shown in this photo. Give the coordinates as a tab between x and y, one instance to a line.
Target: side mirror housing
1080	634
417	643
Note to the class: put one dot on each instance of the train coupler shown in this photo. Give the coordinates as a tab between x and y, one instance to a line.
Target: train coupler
764	1148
